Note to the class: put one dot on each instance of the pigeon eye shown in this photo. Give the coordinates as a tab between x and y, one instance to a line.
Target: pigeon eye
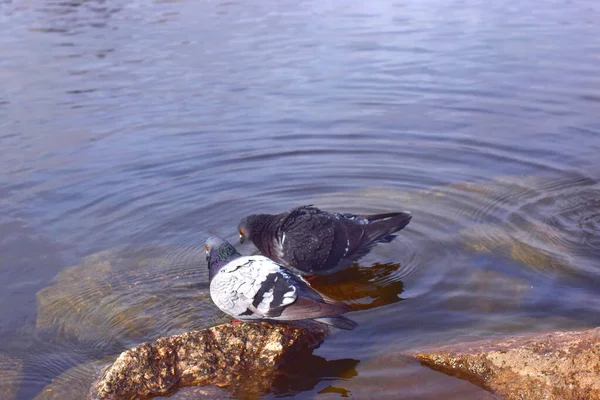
207	247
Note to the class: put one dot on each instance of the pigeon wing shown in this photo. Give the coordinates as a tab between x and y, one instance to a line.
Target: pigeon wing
309	304
252	287
306	238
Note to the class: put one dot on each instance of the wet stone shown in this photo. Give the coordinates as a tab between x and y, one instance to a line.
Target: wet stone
559	365
117	298
244	358
537	248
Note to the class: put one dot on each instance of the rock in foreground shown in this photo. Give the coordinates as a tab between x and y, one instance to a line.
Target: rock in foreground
245	358
561	365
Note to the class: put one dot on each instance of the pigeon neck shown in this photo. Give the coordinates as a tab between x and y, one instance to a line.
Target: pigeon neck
222	256
214	268
259	226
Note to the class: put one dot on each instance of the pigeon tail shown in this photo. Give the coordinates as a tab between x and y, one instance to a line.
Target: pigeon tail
381	227
339	322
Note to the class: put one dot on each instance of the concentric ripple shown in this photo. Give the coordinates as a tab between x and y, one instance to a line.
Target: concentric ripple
117	298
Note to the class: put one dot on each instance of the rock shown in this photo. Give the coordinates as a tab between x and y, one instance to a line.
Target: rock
487	291
560	365
10	377
118	298
246	358
534	245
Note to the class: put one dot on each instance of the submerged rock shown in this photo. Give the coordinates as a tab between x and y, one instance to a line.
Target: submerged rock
245	358
534	245
74	384
10	377
560	365
117	298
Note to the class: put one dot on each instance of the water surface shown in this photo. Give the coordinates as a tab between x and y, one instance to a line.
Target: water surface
130	131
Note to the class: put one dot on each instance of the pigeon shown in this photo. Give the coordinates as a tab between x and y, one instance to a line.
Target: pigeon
257	288
310	241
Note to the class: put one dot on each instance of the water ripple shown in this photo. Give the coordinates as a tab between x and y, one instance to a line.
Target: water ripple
143	127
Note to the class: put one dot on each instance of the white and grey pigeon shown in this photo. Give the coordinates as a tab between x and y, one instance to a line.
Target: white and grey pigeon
311	241
257	288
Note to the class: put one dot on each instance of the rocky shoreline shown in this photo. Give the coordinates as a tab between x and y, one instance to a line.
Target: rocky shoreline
245	360
557	365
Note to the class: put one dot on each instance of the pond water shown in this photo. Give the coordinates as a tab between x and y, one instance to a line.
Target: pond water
132	130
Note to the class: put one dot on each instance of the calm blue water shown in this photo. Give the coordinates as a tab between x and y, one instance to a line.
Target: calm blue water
139	128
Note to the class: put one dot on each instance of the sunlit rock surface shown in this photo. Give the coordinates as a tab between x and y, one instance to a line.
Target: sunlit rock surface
118	298
559	365
245	358
10	377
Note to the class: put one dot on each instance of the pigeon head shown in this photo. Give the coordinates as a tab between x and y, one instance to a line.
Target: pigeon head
218	253
244	228
252	225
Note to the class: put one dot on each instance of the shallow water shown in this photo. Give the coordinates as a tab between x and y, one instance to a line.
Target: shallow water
132	130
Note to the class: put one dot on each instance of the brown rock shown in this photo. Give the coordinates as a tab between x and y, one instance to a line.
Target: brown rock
560	365
245	358
10	377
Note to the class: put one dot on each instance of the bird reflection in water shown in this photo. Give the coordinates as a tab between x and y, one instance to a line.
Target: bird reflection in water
363	288
312	370
303	373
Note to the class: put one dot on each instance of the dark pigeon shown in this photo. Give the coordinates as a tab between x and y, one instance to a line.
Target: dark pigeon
311	241
257	288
